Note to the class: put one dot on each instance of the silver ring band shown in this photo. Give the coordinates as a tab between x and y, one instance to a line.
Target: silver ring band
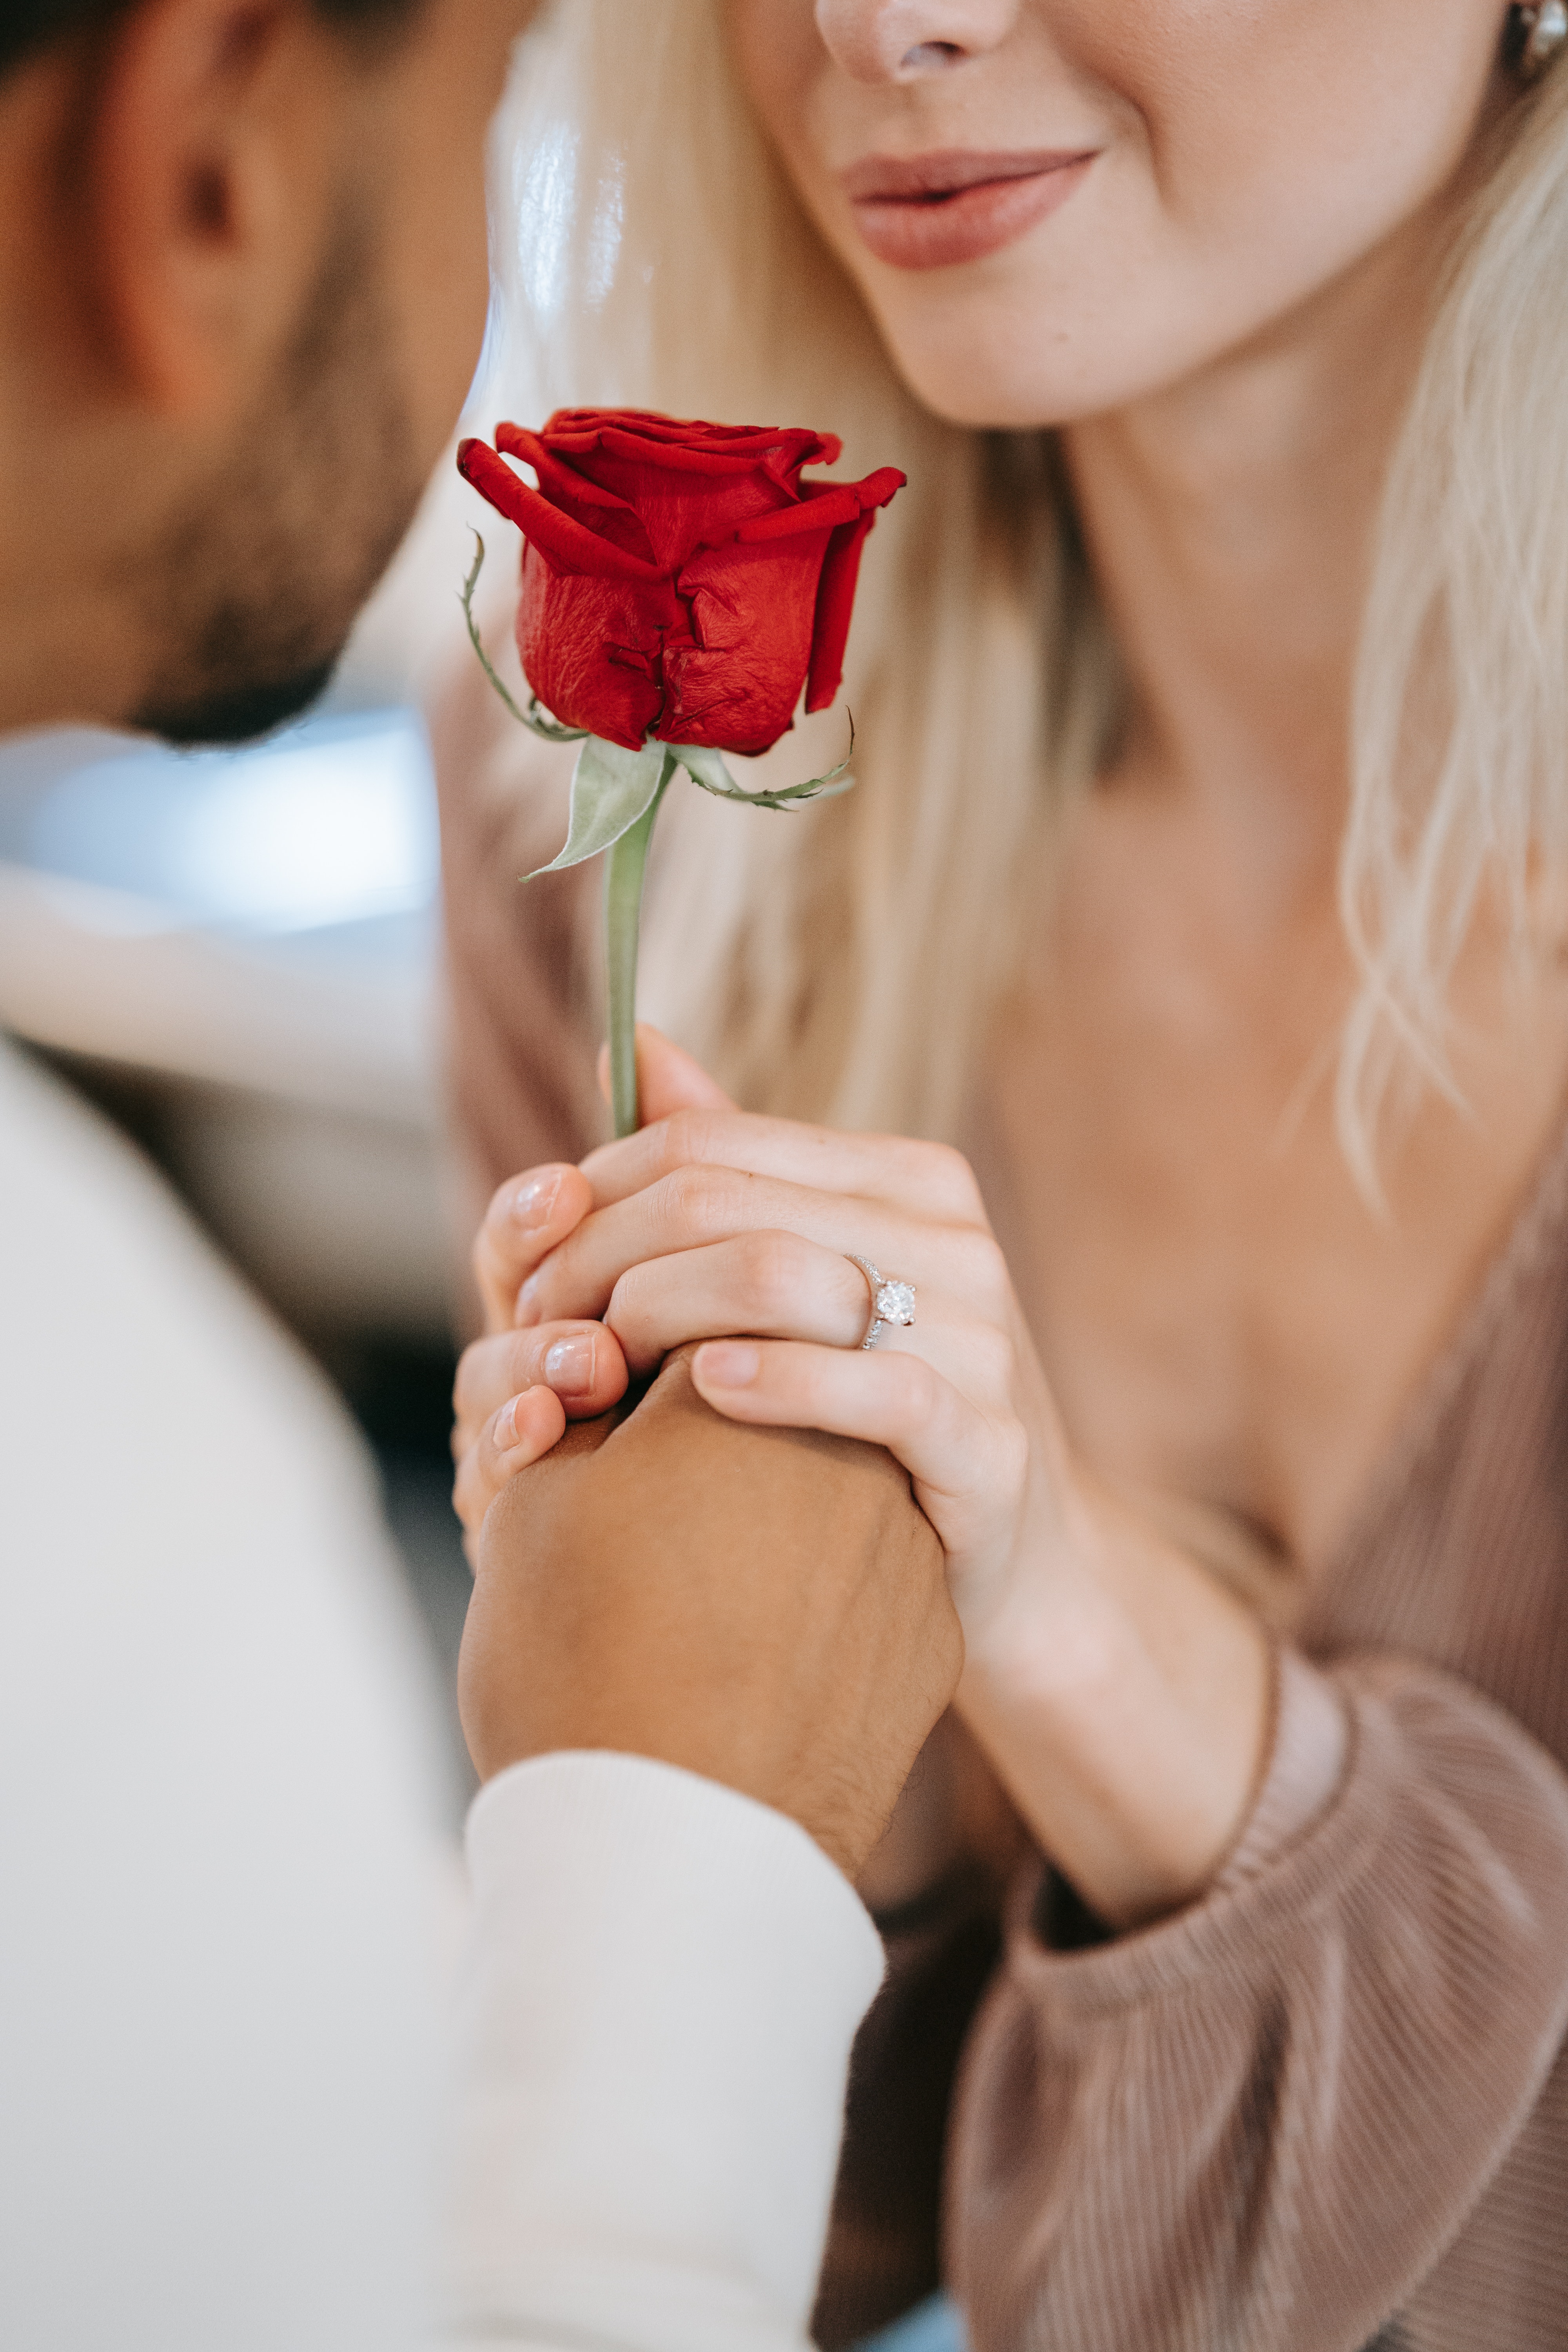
892	1301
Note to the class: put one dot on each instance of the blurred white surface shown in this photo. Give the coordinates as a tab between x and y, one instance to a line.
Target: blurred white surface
257	930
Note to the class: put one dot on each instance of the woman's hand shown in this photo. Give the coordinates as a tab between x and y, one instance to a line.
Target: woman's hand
708	1223
516	1389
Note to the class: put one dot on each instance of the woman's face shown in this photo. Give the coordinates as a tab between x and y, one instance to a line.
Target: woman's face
1054	206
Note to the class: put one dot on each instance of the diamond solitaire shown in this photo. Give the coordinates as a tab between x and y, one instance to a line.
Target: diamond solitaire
892	1302
895	1301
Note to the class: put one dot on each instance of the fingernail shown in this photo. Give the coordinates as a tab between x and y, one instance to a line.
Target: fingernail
568	1365
729	1364
533	1202
527	1308
506	1426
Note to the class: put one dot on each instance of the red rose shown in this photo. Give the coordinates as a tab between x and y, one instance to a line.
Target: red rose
680	580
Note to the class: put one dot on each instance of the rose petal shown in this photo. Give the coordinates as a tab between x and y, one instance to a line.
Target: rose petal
590	649
579	428
827	505
835	603
594	504
568	546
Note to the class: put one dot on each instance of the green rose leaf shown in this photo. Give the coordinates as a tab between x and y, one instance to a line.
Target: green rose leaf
611	789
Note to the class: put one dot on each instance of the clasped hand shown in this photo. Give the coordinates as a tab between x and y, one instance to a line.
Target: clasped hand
711	1226
1121	1694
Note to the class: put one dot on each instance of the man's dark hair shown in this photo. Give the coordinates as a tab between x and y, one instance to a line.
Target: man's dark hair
29	25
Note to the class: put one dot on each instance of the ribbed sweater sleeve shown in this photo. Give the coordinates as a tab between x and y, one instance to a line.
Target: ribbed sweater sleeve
1256	2127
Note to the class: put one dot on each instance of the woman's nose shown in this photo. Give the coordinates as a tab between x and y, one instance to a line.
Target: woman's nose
911	40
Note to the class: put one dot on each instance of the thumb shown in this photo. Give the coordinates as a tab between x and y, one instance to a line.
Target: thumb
668	1079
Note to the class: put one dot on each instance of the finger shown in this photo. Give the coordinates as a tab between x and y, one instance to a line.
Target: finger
898	1401
582	1363
774	1285
668	1079
527	1217
698	1206
526	1427
930	1178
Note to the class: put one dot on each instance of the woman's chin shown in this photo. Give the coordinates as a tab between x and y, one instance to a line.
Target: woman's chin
980	373
966	360
955	383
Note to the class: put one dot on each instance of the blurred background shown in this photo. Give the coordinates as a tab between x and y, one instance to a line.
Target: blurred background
235	956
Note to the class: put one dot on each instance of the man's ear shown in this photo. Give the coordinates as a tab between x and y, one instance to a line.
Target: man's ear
210	176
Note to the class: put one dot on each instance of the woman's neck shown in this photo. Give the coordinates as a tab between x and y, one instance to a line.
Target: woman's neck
1229	521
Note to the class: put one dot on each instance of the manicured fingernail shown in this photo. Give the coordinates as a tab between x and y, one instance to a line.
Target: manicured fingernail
533	1202
568	1365
730	1364
506	1426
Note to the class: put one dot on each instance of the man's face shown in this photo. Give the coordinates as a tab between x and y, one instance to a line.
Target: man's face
253	586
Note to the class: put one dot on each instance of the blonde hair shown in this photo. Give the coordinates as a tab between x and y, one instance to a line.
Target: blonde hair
840	963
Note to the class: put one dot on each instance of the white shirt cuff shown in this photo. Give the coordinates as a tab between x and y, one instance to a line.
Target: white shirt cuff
663	1984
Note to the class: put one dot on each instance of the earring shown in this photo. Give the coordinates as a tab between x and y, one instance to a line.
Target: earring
1536	37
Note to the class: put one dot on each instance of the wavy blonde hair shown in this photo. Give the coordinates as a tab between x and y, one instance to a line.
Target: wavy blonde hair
841	964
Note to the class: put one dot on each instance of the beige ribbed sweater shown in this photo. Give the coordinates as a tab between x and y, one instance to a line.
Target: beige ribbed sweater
1327	2106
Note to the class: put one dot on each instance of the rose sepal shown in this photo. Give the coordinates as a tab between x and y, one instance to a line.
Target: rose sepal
612	788
711	770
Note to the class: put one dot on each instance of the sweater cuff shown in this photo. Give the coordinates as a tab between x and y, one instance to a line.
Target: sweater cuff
1306	1855
1306	1762
663	1984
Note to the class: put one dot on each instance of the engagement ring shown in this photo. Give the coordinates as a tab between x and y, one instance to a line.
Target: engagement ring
891	1301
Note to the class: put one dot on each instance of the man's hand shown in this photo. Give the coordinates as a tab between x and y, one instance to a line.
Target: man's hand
768	1608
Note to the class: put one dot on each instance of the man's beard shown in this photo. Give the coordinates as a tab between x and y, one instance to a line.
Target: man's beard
254	588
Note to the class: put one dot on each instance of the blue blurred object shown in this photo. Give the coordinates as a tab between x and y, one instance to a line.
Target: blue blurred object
248	940
264	918
935	2326
331	822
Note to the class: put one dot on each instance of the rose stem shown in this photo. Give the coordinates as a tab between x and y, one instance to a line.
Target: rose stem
624	867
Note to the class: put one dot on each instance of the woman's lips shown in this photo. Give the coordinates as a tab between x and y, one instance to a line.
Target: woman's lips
929	212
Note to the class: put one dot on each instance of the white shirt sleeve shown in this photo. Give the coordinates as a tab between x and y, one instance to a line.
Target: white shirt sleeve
664	1983
221	2041
220	1804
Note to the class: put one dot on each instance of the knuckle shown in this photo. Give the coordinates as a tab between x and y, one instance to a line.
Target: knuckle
982	1270
625	1308
950	1178
688	1138
700	1201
